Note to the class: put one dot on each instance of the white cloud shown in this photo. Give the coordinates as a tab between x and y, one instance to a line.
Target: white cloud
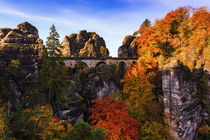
10	11
112	26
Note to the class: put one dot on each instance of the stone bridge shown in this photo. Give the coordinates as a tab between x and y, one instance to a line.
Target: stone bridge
93	62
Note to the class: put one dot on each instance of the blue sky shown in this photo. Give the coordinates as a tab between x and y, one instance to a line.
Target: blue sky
111	19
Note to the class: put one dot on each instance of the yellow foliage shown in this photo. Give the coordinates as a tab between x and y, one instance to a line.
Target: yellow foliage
15	63
51	127
180	35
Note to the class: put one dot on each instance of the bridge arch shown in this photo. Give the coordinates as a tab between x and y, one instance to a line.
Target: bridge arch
122	64
99	64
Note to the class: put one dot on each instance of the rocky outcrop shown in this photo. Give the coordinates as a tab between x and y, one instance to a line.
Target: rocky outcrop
21	50
22	43
84	44
182	102
128	48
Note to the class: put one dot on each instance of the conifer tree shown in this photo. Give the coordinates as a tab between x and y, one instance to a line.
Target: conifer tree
146	23
52	73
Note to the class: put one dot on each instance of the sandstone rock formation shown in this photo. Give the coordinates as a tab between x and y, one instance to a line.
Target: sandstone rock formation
128	48
84	44
182	100
21	43
20	52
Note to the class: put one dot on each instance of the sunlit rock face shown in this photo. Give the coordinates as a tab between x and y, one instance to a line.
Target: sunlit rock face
84	44
21	42
128	48
182	102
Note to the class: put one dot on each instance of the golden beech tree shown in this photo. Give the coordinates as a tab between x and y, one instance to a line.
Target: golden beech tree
167	33
142	102
200	31
51	127
178	35
38	123
111	115
137	92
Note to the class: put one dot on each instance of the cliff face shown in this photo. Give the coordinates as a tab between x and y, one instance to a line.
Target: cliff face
87	84
128	48
20	52
84	44
182	100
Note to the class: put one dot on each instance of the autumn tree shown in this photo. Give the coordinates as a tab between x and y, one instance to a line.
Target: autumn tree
137	93
178	35
200	30
204	132
46	125
143	105
199	39
37	123
111	115
52	73
154	131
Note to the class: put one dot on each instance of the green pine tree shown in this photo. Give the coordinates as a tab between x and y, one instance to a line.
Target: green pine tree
52	73
146	23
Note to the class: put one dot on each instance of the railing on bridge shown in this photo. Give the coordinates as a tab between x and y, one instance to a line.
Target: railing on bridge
97	58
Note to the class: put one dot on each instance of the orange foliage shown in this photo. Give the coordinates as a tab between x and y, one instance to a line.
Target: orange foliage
200	29
164	36
177	34
205	129
50	127
137	91
204	132
111	115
